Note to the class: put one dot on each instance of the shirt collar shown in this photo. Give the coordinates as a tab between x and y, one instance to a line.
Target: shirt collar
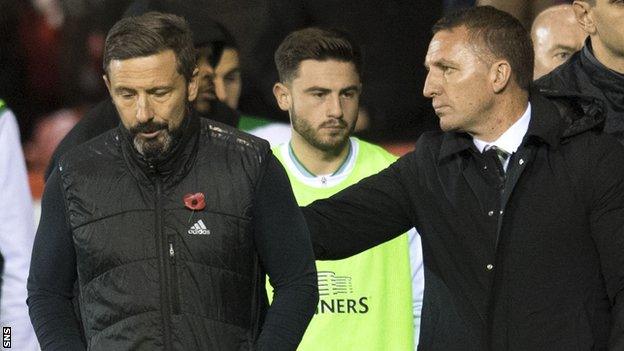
174	164
511	139
323	180
544	125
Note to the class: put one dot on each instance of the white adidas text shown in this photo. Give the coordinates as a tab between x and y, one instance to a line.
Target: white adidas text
199	228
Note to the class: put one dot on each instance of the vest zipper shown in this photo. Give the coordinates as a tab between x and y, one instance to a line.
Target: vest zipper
164	284
175	298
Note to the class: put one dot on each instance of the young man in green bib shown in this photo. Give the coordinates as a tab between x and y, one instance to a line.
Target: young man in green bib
365	301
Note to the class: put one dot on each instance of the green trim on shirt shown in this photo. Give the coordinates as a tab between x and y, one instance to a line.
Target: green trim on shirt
306	172
247	122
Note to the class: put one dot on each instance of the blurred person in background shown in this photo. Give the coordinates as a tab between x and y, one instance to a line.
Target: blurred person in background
366	300
46	136
524	10
17	233
556	36
594	76
39	148
227	78
30	37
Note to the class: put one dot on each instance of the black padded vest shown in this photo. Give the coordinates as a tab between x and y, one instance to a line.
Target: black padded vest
153	274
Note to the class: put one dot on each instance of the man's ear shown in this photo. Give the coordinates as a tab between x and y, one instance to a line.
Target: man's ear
500	75
282	96
107	83
584	16
193	85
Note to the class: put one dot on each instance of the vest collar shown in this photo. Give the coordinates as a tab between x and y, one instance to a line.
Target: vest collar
171	166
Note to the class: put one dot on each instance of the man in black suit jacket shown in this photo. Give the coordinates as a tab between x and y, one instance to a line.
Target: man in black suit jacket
519	202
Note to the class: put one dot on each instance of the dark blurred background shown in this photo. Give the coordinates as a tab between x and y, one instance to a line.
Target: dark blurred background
51	52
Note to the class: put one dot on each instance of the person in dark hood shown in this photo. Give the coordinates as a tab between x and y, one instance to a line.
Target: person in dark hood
593	78
209	38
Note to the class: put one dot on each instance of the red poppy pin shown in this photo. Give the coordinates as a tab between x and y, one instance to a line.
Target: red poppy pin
195	202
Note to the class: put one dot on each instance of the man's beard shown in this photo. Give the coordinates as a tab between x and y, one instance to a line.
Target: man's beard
154	148
311	135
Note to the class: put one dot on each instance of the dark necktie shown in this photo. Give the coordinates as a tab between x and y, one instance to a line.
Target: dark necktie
500	156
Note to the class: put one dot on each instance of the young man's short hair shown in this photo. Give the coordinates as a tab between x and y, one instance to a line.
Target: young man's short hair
315	44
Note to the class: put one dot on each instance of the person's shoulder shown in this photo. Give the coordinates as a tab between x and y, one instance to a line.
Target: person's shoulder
97	120
275	133
222	135
577	122
370	150
565	79
572	115
426	151
101	148
3	108
430	141
7	118
592	141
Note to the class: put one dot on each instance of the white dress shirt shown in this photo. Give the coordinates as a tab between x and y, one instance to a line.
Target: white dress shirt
511	139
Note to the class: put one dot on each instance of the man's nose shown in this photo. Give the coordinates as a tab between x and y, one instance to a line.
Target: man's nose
432	87
144	111
220	89
334	106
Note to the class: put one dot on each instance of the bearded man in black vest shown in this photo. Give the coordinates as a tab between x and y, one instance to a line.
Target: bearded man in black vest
168	222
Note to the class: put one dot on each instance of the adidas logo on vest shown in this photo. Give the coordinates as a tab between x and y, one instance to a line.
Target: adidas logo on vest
199	228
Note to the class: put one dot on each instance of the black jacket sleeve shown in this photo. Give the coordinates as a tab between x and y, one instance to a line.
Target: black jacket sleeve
607	228
52	276
364	215
283	244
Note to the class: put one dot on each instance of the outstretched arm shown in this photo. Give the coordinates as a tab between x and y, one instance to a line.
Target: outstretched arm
363	215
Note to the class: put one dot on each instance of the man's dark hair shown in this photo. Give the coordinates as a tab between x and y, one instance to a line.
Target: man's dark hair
219	39
150	34
315	44
502	35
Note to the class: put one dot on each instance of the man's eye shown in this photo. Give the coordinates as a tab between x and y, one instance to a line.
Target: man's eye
160	93
127	96
349	94
232	77
564	55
